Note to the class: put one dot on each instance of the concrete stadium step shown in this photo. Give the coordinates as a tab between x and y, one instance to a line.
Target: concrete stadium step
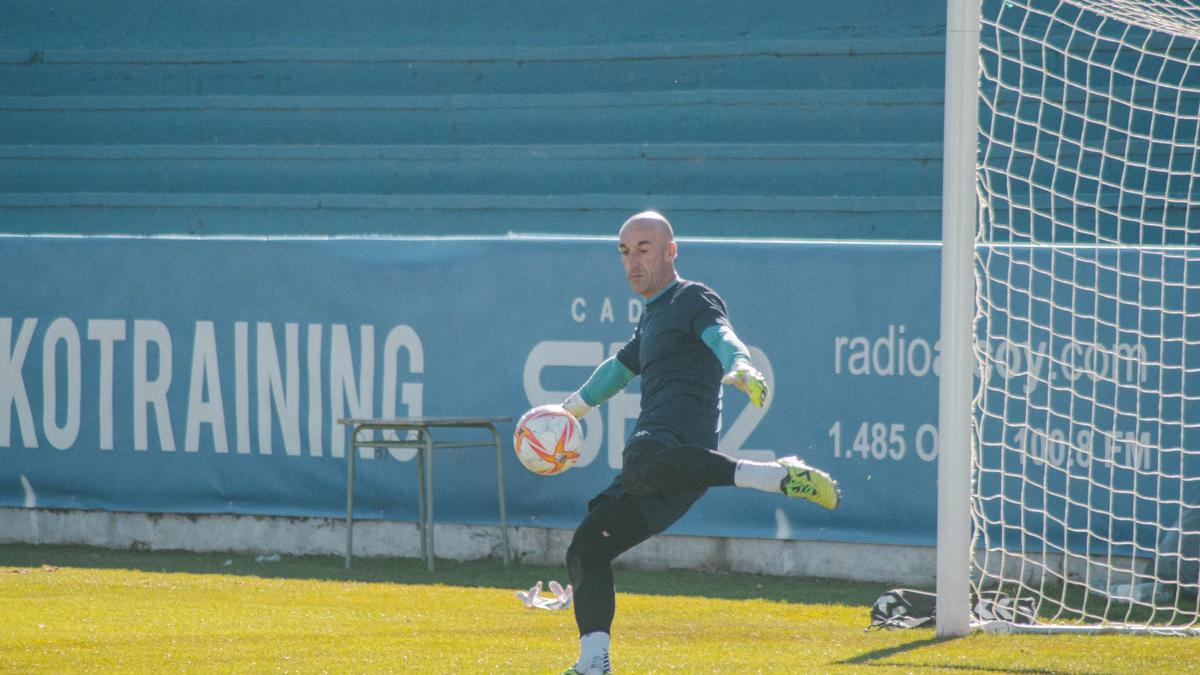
652	169
158	24
752	116
916	217
396	117
746	64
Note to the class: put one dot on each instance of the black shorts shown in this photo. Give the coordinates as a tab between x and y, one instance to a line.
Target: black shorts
659	511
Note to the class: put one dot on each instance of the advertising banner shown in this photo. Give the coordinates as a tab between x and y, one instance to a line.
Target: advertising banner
1088	397
183	375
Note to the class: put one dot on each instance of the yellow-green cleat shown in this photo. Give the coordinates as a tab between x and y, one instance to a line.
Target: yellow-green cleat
805	482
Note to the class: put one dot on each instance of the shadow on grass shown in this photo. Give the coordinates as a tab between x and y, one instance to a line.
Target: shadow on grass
878	659
476	573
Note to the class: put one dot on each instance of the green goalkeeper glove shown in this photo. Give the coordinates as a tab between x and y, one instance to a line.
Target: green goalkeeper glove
749	381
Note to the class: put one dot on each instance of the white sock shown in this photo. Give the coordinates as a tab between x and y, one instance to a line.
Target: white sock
593	652
765	476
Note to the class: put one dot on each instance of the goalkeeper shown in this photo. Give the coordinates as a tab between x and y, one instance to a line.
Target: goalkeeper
684	348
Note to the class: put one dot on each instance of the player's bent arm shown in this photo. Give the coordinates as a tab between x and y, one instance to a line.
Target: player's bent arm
735	361
608	379
725	344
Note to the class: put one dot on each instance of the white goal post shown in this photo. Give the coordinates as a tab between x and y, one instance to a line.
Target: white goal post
1069	467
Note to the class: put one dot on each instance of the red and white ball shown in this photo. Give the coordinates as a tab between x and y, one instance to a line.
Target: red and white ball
548	440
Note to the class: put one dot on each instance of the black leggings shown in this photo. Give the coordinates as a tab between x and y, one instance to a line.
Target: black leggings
616	523
612	526
651	468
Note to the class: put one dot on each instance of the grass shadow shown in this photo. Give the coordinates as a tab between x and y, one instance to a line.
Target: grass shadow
869	658
476	573
878	659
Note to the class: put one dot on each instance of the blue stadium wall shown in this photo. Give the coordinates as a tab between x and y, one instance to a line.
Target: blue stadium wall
749	119
221	227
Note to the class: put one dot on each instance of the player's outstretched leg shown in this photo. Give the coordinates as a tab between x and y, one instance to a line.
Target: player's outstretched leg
651	468
790	476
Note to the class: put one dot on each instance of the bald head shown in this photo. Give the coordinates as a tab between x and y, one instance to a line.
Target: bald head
651	221
648	253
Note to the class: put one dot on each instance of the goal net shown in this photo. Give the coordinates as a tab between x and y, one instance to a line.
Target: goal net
1086	442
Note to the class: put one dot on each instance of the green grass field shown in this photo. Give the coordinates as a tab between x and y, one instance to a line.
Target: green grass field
71	609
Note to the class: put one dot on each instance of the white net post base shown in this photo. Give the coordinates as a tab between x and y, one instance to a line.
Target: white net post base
1086	436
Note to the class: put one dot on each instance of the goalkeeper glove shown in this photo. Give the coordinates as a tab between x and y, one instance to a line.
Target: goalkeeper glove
533	598
576	405
749	381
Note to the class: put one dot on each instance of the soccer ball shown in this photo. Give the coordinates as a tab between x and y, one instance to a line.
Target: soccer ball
548	440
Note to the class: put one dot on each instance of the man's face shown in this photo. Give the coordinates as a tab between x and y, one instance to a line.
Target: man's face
648	255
